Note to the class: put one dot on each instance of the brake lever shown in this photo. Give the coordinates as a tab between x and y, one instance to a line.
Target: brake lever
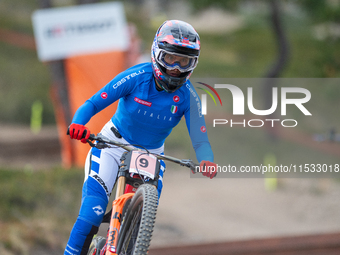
188	163
90	143
100	141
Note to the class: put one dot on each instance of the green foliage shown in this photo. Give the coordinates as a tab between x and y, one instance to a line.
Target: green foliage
224	4
320	11
16	15
25	193
38	209
23	81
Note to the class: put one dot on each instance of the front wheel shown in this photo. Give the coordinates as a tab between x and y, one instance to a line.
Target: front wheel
138	223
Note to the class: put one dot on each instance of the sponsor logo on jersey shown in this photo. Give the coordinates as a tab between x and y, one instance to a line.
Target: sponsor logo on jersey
203	129
176	99
127	77
196	98
103	95
143	102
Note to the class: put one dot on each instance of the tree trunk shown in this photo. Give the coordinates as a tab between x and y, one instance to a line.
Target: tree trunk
280	62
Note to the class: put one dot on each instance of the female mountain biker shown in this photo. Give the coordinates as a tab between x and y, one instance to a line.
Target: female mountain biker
153	97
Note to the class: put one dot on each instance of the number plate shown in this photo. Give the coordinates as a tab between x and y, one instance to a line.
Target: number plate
145	163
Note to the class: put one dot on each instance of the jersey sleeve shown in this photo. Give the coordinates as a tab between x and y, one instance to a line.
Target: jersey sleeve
119	87
197	128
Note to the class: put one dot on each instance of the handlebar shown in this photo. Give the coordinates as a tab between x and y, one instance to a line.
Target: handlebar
104	142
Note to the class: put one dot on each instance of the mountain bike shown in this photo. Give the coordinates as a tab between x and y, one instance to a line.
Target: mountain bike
132	217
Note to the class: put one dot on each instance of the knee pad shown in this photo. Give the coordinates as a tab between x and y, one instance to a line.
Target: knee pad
94	202
92	210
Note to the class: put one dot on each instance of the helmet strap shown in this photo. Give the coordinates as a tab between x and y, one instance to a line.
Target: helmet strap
159	87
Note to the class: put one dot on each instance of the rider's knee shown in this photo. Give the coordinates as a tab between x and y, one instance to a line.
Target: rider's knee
92	210
94	202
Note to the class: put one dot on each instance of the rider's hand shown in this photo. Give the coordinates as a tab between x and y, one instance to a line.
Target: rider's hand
208	169
77	131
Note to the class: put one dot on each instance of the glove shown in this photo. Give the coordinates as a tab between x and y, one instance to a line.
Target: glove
79	132
208	169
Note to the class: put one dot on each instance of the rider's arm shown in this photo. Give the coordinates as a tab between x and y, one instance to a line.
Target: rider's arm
115	89
84	113
197	129
111	92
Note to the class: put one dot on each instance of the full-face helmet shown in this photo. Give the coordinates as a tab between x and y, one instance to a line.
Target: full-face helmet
176	46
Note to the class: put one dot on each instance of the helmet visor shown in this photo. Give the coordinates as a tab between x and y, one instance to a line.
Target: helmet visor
173	61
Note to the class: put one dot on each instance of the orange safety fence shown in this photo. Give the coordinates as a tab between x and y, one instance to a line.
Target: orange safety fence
85	75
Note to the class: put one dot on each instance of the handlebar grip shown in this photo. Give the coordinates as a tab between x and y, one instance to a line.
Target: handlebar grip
84	134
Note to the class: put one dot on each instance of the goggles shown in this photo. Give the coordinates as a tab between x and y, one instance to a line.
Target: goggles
173	61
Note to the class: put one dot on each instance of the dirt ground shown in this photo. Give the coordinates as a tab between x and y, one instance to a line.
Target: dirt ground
203	210
200	210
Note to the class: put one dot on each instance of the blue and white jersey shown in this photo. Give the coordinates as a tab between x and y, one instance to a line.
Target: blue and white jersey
146	116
